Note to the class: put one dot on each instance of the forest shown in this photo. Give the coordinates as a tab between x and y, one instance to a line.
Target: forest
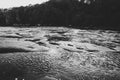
103	14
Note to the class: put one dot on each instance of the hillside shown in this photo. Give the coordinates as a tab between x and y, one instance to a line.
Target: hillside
98	14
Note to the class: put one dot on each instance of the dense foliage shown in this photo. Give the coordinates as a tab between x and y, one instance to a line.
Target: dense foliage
64	13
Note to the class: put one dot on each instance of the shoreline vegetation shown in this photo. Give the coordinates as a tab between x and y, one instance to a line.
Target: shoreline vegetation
88	14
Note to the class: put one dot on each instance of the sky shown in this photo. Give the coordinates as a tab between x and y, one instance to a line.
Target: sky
17	3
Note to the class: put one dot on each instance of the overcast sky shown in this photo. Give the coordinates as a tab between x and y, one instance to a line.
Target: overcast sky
17	3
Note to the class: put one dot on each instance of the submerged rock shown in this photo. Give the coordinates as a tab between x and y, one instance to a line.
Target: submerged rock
20	46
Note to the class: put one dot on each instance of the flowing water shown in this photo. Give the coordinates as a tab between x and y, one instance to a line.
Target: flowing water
59	53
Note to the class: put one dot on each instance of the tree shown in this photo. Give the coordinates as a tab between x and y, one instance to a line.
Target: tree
2	17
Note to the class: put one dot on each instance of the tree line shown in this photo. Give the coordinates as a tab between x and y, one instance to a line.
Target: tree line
79	13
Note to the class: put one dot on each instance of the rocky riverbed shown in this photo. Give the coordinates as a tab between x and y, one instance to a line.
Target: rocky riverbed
51	53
